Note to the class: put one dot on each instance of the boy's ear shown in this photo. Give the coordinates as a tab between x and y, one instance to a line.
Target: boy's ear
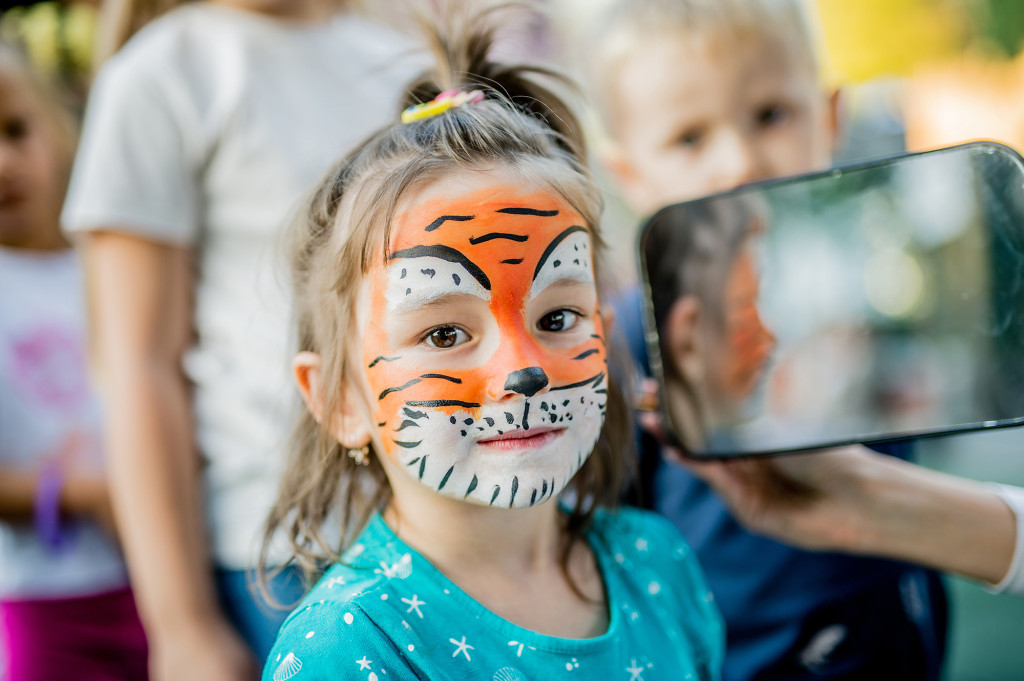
835	120
347	424
682	331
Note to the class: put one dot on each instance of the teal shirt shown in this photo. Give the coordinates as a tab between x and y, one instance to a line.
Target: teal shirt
388	615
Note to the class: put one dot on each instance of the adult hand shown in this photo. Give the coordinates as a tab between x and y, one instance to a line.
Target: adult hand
209	650
814	500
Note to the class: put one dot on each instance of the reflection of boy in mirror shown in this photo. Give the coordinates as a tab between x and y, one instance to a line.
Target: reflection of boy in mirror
704	289
699	96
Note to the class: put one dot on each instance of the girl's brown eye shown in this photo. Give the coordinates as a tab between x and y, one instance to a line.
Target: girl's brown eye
444	337
558	320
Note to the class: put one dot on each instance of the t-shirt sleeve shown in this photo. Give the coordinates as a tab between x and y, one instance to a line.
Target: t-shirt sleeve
700	615
336	642
1013	582
139	157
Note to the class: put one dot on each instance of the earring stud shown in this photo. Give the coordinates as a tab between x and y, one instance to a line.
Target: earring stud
361	455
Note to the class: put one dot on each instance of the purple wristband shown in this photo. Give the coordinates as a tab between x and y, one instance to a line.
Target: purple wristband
47	507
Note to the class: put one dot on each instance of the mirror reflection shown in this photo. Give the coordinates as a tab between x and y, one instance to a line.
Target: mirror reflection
871	303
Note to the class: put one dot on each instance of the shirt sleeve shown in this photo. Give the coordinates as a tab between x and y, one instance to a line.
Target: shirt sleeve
1013	582
139	159
700	615
334	642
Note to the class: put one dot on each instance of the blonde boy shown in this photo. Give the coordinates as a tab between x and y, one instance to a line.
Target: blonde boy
699	96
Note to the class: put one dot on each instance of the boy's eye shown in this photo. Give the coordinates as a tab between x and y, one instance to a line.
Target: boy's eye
558	320
446	337
691	138
15	129
771	114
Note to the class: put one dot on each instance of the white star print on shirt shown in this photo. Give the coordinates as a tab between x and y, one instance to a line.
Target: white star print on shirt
461	647
414	604
364	663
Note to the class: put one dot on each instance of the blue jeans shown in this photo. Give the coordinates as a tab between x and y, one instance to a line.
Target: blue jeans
256	620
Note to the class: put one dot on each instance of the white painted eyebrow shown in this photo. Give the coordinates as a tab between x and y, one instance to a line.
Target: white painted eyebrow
415	283
572	280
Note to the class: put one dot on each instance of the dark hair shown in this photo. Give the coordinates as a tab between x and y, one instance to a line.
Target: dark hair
345	229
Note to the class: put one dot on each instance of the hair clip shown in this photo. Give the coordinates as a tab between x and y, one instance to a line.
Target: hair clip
444	101
361	455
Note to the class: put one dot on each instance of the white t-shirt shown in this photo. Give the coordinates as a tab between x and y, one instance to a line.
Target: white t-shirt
48	407
206	130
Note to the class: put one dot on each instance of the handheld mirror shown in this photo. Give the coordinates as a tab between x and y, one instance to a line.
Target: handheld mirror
869	303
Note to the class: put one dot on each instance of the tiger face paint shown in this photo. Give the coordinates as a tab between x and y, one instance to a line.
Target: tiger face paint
484	347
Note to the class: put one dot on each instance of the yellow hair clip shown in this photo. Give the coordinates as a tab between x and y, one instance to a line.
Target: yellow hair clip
444	101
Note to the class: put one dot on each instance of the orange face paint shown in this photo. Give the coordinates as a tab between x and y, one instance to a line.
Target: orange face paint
509	410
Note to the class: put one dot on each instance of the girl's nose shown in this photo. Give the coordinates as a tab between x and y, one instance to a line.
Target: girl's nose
527	382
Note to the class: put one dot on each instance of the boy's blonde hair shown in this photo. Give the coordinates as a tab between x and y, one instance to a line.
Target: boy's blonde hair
626	24
345	230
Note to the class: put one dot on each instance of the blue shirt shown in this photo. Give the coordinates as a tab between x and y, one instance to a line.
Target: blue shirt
388	614
792	614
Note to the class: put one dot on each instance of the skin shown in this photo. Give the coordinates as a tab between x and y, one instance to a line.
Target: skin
31	169
506	555
680	133
141	299
755	113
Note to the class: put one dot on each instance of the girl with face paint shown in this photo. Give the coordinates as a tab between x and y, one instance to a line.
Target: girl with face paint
464	418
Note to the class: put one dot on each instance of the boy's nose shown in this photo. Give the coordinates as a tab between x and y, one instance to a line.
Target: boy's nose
738	159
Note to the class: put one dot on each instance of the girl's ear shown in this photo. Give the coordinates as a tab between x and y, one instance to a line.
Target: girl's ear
347	424
683	337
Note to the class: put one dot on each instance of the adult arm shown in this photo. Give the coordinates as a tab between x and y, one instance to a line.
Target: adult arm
856	501
140	297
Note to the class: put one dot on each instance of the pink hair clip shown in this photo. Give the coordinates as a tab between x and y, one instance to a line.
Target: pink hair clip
448	99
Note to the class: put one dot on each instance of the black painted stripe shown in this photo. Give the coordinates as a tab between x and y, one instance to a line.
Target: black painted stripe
444	480
588	353
407	424
544	489
442	376
472	486
533	497
445	218
516	210
593	379
474	240
553	245
494	495
394	390
512	261
515	488
413	462
444	253
408	445
526	412
442	403
423	465
414	414
381	359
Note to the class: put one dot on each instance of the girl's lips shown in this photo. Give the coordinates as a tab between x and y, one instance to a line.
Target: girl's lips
523	439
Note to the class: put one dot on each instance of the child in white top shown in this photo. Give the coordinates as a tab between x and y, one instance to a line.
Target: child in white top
64	598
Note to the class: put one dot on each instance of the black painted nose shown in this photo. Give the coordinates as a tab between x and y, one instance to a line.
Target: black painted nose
528	381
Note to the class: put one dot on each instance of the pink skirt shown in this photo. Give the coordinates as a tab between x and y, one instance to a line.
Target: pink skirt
97	638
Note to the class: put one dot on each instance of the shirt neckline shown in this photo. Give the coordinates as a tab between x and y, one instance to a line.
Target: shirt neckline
515	632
